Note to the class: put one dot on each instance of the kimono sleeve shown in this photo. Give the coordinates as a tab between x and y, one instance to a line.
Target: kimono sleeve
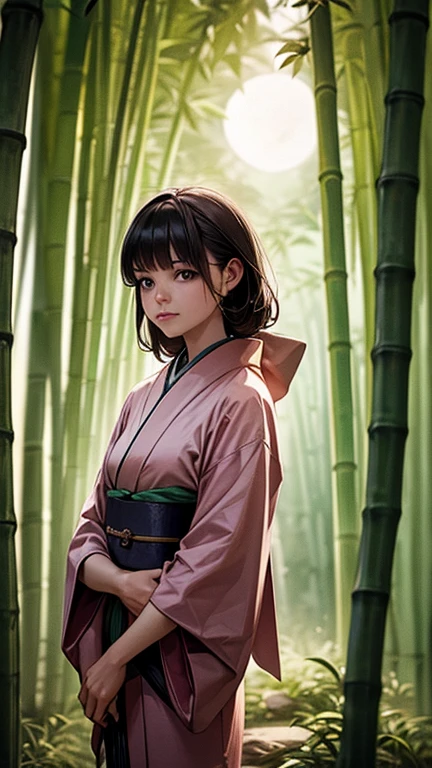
213	588
82	617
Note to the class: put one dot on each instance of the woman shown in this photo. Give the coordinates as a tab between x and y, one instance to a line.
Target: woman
204	426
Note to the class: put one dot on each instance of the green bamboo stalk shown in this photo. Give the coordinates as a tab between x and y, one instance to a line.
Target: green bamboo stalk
59	193
320	455
31	524
424	342
374	38
104	233
177	125
21	22
362	141
412	602
344	500
118	303
397	194
82	286
81	289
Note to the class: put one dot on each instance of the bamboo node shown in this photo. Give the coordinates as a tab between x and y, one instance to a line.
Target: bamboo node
391	349
6	234
18	7
408	178
8	434
10	133
325	87
6	336
347	464
400	93
390	267
383	510
335	173
408	14
371	591
335	272
339	344
385	424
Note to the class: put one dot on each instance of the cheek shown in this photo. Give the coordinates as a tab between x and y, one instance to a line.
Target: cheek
204	297
144	298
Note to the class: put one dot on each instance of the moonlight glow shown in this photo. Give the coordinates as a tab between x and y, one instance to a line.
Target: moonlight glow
271	124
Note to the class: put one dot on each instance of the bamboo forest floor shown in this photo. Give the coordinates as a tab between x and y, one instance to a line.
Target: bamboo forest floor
295	723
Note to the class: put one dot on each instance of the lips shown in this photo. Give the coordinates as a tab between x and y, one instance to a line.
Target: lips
165	315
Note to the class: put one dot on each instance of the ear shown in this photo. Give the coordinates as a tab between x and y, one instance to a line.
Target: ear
232	274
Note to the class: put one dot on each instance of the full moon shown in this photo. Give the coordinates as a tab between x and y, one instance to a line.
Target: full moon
271	123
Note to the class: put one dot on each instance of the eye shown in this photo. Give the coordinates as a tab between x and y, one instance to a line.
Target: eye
187	274
146	283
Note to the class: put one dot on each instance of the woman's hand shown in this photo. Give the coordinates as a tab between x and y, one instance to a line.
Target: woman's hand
135	588
101	685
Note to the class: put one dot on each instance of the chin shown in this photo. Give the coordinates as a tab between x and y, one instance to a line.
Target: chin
169	335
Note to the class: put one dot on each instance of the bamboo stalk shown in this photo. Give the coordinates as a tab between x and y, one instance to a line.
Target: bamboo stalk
74	388
344	468
424	701
397	194
31	525
59	192
104	233
362	140
20	30
81	299
119	297
375	40
414	609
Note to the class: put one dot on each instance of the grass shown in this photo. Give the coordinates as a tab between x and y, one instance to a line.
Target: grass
58	741
310	696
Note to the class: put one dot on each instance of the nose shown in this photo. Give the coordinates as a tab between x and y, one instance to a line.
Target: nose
162	294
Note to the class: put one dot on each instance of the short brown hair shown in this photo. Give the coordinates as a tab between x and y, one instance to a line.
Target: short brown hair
190	220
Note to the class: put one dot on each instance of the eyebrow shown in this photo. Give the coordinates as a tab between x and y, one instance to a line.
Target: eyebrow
176	261
144	271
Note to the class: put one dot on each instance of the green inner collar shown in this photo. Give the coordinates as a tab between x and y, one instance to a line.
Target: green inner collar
180	364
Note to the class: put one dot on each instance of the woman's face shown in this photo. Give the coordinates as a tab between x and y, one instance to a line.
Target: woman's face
179	302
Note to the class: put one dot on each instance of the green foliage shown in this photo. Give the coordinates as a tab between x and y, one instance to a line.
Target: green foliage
312	698
58	741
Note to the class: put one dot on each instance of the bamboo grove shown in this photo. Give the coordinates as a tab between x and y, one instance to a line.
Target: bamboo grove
127	100
20	31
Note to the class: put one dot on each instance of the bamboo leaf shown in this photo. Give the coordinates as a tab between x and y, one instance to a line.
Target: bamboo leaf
297	65
387	738
179	51
342	4
213	110
190	116
262	5
171	43
327	665
234	62
291	46
289	60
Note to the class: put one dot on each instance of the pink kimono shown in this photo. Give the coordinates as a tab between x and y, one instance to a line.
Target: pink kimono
214	433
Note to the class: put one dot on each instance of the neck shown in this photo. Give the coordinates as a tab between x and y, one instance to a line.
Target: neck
199	338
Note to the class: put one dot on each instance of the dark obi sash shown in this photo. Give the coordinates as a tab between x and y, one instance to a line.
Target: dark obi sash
143	531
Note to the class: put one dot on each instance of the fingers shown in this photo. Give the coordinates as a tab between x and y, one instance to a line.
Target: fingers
112	710
154	573
95	708
88	703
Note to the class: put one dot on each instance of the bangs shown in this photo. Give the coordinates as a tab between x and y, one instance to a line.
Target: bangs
162	230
